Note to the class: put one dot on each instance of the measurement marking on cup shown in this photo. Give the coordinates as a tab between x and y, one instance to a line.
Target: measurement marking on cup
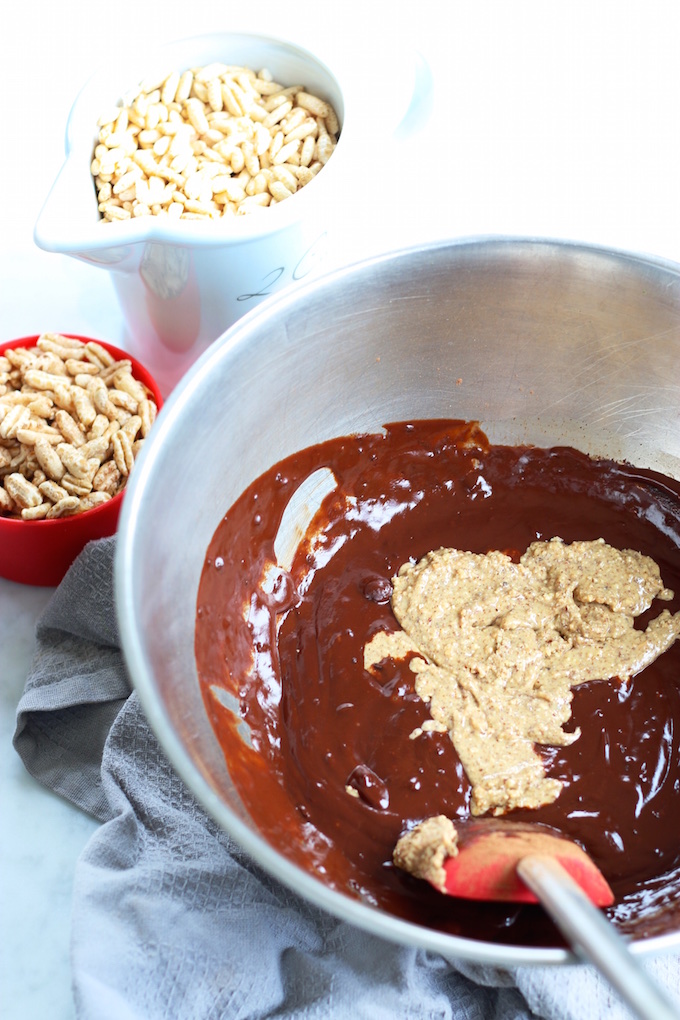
268	282
303	267
313	254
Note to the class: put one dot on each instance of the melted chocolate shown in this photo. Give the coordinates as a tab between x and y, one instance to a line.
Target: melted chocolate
319	723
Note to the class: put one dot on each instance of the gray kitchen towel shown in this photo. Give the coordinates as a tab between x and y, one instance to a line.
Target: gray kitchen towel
172	920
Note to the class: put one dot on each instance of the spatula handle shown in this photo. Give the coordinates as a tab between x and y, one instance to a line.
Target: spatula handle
592	937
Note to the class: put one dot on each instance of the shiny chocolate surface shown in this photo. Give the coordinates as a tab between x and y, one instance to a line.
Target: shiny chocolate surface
317	723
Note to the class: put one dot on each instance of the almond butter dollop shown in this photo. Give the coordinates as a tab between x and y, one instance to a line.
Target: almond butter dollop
498	646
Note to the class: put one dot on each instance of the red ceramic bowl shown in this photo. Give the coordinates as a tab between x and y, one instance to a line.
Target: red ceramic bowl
40	552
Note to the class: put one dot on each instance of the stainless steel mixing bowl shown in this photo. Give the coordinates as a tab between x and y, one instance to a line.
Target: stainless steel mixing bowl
543	342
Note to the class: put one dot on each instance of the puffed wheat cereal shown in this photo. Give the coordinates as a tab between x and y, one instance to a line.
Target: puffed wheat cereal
189	146
107	479
66	506
23	492
70	417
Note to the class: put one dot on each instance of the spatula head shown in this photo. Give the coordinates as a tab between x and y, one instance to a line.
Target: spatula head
485	867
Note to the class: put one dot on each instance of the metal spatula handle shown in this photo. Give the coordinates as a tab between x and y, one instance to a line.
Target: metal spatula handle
592	937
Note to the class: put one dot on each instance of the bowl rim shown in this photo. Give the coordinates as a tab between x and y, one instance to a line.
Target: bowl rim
376	921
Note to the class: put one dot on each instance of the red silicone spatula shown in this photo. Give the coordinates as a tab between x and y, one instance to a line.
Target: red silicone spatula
490	850
501	860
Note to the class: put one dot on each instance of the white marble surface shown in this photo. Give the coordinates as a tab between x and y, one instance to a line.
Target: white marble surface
551	119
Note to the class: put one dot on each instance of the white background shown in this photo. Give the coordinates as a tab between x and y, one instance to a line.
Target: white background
548	119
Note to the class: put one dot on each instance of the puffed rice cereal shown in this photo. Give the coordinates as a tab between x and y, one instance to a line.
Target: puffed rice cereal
209	142
72	421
